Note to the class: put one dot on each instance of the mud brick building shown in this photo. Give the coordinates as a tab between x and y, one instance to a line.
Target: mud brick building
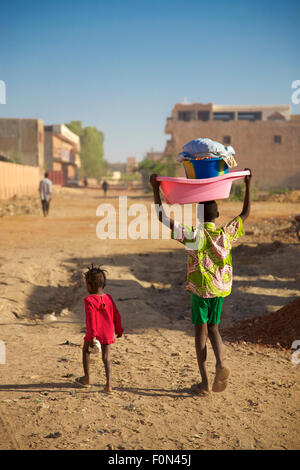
62	148
22	140
265	138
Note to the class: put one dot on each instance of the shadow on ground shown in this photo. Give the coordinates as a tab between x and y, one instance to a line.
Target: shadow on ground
65	387
152	285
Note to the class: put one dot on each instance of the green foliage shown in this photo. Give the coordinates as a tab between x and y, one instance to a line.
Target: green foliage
76	127
130	177
237	192
91	142
165	166
279	191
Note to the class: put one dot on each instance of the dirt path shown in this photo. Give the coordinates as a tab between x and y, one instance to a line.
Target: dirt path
154	365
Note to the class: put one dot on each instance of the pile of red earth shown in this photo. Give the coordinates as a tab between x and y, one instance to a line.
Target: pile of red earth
289	196
277	329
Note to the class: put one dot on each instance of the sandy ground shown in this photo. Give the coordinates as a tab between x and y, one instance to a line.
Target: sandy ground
154	365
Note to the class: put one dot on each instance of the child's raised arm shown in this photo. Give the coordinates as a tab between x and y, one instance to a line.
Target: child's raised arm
247	199
160	212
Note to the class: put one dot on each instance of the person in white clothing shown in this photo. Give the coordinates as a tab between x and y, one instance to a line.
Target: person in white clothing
45	190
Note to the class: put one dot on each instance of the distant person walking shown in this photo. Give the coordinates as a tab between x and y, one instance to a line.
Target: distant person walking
45	190
105	187
85	182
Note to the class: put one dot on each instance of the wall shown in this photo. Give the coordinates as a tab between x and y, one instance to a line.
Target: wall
57	177
18	180
62	149
71	172
23	138
48	150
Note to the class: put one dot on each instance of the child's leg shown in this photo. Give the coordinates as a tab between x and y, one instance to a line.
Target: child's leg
86	360
85	380
107	364
200	343
222	372
216	342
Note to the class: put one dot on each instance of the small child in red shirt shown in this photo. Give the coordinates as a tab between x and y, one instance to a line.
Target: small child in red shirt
102	321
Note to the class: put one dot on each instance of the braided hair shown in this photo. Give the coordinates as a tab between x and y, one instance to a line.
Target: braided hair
95	277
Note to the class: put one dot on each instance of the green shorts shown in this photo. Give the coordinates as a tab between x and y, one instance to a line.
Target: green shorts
206	310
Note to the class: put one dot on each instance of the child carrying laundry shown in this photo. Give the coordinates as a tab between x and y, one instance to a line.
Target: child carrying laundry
103	320
209	278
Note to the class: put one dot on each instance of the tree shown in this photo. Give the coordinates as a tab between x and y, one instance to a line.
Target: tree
91	142
165	166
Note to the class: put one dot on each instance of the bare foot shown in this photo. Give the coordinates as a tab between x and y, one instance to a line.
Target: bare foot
221	382
83	382
108	388
200	389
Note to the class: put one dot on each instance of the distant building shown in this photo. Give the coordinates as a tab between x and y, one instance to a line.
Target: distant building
265	138
131	164
116	175
154	156
121	167
22	140
62	148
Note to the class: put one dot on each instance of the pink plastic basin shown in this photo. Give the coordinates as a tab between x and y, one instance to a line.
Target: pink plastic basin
189	191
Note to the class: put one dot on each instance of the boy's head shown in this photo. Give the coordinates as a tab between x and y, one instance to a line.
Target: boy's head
95	279
210	211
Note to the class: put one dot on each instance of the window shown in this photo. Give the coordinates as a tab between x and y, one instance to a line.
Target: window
223	116
186	115
249	116
277	139
226	139
203	115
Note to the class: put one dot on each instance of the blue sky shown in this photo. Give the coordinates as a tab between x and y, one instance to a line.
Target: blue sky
122	65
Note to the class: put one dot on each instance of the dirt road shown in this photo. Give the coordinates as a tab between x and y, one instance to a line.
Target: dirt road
42	326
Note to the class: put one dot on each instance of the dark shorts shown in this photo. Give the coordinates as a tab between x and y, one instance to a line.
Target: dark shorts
206	310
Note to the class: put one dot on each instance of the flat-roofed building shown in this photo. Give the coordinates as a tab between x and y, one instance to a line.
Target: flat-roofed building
265	138
22	140
62	148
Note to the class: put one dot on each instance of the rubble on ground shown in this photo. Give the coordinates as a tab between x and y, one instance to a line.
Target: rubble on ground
20	206
272	229
278	329
289	196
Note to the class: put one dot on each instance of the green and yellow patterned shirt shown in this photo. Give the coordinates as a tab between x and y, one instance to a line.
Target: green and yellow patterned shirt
209	264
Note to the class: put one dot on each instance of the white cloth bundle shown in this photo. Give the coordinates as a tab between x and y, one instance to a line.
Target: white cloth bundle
206	148
96	348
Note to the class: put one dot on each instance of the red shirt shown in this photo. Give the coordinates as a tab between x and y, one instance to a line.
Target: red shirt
102	318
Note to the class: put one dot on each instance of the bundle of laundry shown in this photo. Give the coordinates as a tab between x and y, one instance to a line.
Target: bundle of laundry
204	149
